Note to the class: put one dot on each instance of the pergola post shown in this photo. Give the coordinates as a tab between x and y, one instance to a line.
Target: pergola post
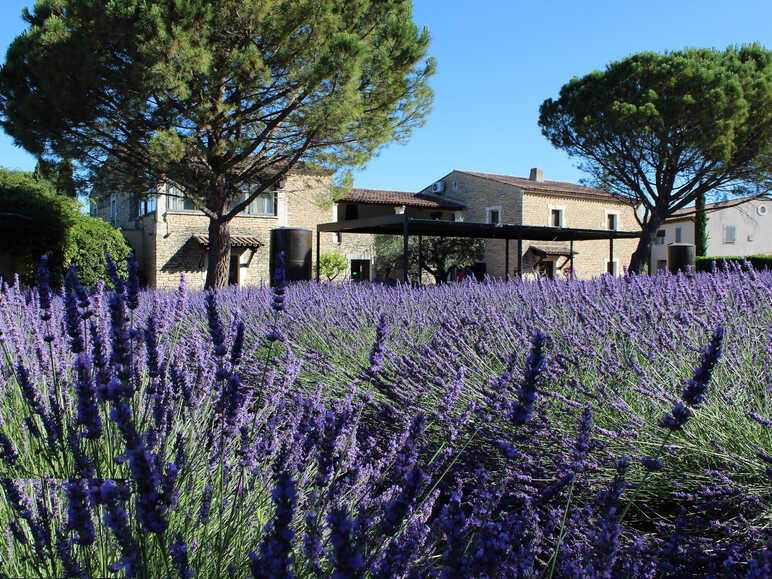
317	253
571	250
611	253
506	259
520	258
404	248
420	259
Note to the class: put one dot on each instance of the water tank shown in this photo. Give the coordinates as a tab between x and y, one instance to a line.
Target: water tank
296	245
680	256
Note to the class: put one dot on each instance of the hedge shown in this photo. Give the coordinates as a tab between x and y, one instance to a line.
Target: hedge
758	262
88	242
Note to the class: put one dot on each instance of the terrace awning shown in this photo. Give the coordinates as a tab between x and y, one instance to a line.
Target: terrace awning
237	241
406	226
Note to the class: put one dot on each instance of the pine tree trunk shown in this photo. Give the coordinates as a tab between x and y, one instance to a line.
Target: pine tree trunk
219	254
641	254
700	227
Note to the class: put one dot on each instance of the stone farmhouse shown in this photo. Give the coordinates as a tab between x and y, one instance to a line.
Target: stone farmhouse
169	236
736	227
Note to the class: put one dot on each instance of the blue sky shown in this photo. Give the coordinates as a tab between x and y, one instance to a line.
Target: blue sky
498	60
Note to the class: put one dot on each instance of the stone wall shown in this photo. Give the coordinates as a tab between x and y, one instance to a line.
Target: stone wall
515	206
591	257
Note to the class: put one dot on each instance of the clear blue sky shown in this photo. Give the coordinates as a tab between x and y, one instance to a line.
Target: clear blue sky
497	60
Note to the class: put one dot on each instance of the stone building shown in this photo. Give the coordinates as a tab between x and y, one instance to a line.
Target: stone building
170	237
512	200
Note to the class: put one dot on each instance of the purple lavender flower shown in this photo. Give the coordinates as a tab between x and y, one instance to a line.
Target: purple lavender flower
8	453
275	559
652	464
44	292
151	345
132	283
376	353
694	391
88	412
179	552
79	514
677	418
116	519
346	559
215	326
238	345
69	565
206	503
72	313
522	410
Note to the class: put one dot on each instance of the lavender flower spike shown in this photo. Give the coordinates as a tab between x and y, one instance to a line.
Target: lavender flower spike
535	363
694	391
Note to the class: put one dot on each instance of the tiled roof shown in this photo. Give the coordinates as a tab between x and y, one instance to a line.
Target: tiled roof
396	198
554	187
236	241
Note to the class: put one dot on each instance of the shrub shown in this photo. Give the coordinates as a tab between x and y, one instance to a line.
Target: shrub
34	220
88	242
758	262
332	264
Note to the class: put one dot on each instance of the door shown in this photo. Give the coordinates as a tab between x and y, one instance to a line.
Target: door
233	270
547	268
360	269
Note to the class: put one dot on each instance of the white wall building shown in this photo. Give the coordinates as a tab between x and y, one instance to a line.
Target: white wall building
737	227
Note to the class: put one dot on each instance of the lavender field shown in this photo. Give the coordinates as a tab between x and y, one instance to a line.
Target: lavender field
618	427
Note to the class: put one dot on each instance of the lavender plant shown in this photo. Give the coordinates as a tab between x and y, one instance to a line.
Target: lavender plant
366	431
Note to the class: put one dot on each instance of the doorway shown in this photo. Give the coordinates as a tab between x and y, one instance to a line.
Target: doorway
233	270
360	270
546	268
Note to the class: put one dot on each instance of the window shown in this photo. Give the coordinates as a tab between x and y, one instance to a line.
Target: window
454	185
264	204
660	237
493	215
661	264
147	205
730	234
556	217
436	215
678	235
176	202
612	221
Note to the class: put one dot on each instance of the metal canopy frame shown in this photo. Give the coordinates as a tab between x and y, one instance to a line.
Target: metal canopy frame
402	224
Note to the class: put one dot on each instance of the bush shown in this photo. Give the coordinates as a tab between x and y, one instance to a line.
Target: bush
758	262
332	264
34	220
88	243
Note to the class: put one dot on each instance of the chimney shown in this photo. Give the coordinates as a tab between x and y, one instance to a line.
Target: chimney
536	175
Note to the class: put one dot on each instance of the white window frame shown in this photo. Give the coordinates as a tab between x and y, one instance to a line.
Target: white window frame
616	266
489	210
562	210
618	215
659	237
734	234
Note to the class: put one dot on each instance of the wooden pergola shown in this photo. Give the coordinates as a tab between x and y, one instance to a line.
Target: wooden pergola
402	224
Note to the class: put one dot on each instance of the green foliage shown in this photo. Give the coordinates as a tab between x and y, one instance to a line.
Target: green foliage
661	129
215	95
758	262
59	174
88	243
34	220
332	264
438	254
700	226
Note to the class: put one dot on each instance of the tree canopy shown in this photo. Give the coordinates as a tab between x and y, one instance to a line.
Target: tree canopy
661	129
220	99
438	254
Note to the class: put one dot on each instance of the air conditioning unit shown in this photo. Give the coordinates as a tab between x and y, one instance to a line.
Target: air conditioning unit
438	187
